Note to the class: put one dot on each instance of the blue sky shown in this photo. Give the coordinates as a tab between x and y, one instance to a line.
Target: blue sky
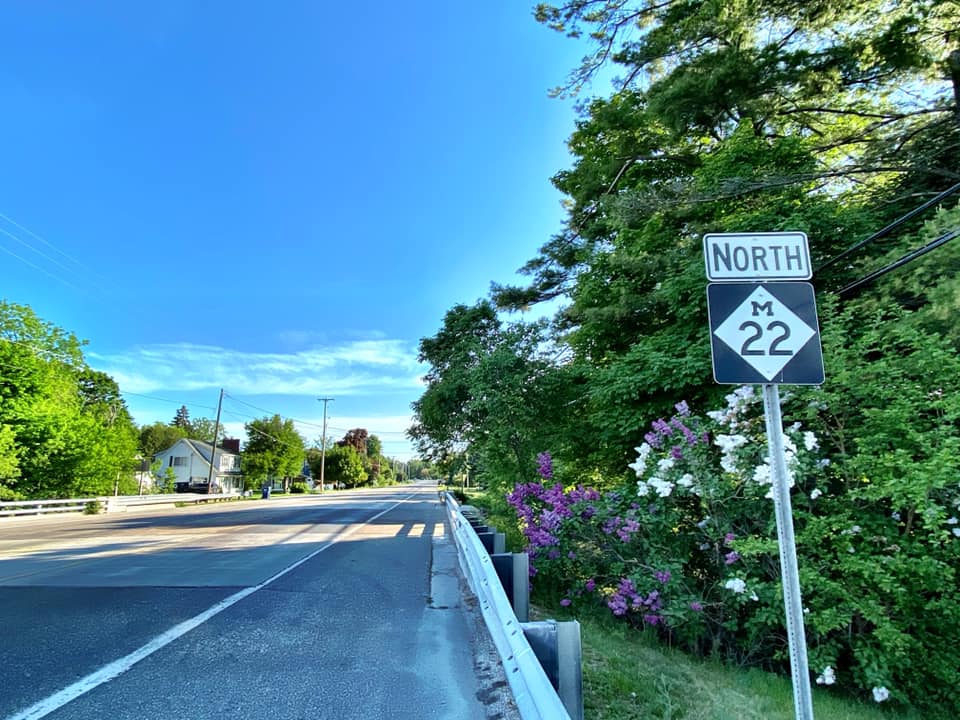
278	199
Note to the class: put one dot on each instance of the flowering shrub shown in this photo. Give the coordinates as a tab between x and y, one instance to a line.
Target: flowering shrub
688	547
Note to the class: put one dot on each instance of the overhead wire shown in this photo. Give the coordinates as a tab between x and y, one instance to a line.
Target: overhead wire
38	268
38	252
867	279
883	232
82	266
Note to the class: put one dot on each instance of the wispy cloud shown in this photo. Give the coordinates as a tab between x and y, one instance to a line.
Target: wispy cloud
358	367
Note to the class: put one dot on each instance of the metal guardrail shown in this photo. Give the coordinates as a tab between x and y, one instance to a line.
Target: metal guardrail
120	503
534	694
114	503
36	507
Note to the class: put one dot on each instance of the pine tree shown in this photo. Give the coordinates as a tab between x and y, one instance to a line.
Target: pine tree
182	418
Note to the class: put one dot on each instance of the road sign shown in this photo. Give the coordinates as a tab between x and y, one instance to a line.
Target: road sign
764	333
735	257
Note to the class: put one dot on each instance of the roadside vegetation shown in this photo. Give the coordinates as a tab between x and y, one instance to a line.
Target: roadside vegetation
638	486
65	430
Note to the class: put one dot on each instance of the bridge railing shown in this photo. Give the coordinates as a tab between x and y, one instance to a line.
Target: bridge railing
39	507
114	503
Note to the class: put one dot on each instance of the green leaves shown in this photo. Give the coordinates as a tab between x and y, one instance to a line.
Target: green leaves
274	449
64	429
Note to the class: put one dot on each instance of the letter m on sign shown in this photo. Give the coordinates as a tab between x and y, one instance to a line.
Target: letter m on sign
760	307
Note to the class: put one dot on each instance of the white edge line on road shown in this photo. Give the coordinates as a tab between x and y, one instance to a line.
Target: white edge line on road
117	667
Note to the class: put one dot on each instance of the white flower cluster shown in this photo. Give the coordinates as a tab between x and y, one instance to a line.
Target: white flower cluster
639	465
734	417
827	677
736	585
662	487
880	694
657	484
737	401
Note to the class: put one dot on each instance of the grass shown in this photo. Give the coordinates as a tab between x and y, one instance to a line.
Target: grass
629	675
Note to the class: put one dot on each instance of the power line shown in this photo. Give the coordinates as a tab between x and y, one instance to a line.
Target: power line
38	252
867	279
160	399
50	245
310	424
883	232
40	269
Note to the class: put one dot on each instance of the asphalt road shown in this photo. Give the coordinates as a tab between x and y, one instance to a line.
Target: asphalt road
346	605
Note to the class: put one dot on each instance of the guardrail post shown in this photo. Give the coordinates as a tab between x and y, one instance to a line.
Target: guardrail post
557	647
513	569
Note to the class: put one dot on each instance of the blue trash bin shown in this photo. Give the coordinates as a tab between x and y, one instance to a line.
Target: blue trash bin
265	492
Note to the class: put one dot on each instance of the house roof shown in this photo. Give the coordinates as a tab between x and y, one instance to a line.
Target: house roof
202	449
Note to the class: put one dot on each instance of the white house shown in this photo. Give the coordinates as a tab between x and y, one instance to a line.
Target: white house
190	462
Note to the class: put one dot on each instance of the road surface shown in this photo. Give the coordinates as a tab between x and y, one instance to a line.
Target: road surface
345	605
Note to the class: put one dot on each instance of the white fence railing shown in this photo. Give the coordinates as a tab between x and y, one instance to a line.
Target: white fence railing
536	698
37	507
114	503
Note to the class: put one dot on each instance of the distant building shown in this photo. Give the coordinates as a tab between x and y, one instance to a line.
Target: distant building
190	462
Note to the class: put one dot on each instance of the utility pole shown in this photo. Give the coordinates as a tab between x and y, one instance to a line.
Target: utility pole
323	439
213	452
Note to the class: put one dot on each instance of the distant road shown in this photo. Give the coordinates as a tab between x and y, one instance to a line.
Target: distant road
345	605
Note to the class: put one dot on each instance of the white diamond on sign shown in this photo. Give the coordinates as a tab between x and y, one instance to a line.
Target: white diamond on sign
764	332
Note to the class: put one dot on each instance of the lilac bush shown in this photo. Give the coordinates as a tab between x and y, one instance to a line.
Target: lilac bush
687	548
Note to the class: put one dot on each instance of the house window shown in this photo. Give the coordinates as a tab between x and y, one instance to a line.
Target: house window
179	461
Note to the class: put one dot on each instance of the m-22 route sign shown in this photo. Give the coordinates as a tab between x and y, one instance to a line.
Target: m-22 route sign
764	333
735	257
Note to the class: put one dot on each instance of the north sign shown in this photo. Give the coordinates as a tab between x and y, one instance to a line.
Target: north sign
764	333
735	257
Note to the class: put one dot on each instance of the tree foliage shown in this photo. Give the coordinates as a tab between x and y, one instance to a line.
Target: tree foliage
181	419
157	437
493	388
344	466
274	449
64	429
828	118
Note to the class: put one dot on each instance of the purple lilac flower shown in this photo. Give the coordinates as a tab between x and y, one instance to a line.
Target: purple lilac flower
626	587
630	526
729	538
653	440
662	427
545	465
662	576
565	602
590	585
652	619
731	557
682	408
696	606
705	438
688	434
677	452
618	604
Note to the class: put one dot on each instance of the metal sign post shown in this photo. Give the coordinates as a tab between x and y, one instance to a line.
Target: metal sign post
789	572
767	332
